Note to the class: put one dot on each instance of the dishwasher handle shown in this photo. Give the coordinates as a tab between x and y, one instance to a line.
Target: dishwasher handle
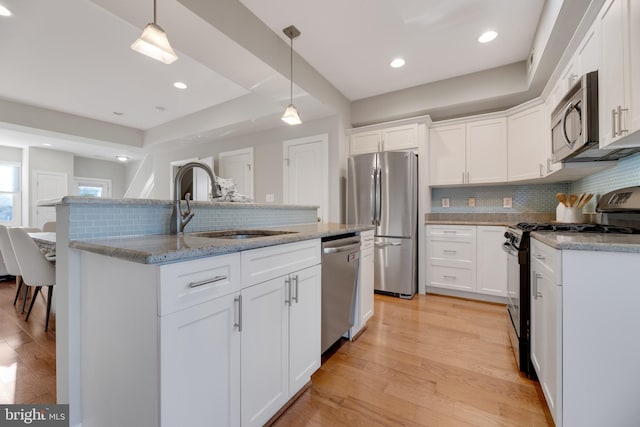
340	249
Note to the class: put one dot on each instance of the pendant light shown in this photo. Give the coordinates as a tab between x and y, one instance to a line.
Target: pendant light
154	43
290	115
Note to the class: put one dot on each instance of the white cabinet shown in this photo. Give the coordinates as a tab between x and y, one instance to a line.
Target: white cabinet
527	139
200	364
467	259
281	322
492	261
364	289
546	324
451	255
391	138
619	94
232	336
474	152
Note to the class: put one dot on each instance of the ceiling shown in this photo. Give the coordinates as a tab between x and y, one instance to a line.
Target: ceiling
73	56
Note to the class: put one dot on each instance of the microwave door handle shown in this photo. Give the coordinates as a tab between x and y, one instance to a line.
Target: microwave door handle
567	111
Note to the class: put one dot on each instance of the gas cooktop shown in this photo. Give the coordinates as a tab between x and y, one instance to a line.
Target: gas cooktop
577	228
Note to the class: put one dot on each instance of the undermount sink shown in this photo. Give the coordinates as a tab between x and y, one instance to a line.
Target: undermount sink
241	234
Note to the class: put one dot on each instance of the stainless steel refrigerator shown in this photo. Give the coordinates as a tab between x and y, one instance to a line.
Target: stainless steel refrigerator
382	190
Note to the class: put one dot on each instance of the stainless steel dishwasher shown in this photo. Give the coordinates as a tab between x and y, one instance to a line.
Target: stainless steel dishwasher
340	260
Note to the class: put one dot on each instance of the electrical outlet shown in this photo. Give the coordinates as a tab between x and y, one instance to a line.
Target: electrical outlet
472	202
507	202
445	202
270	198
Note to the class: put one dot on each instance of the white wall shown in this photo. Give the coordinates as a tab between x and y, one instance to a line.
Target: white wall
10	154
267	159
94	168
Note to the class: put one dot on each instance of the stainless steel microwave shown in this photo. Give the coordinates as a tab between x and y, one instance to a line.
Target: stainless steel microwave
574	126
574	121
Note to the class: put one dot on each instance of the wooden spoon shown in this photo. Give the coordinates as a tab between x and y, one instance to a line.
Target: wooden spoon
580	197
585	200
562	198
572	200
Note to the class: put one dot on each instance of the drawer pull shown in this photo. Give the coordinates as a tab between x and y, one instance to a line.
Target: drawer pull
449	231
207	281
449	251
540	257
450	277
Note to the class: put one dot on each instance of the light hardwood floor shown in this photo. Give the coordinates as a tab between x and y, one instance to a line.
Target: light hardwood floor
430	361
27	352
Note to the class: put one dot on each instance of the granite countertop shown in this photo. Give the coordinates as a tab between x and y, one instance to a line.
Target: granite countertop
81	200
604	242
498	219
165	248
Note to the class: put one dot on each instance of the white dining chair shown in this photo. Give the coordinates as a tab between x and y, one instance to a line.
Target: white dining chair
49	226
10	262
36	270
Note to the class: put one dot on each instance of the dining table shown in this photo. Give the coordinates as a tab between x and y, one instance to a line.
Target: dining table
46	241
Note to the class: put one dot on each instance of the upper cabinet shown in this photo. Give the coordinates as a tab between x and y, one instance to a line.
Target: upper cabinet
472	152
401	137
619	75
527	141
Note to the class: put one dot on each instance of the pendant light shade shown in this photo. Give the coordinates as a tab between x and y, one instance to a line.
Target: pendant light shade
154	43
290	115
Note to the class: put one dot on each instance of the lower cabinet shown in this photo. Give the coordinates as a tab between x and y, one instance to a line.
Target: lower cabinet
546	324
466	259
225	340
364	289
280	342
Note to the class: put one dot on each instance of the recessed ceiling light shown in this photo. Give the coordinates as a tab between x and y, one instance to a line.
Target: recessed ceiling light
487	36
118	113
180	85
397	63
4	11
161	108
46	144
122	158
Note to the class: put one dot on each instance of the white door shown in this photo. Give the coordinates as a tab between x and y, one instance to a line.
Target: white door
47	186
305	173
238	166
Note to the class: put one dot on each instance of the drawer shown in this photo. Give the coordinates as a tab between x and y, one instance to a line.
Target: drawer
462	279
452	250
366	239
260	265
549	258
186	284
452	231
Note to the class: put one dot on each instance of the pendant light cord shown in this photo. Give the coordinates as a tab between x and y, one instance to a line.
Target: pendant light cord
291	71
154	11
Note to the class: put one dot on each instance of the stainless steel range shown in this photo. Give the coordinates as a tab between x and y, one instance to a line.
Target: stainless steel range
617	212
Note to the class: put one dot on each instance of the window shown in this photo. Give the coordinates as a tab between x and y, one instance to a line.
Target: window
10	201
92	187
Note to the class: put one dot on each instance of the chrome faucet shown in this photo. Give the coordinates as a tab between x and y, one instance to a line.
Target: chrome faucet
180	219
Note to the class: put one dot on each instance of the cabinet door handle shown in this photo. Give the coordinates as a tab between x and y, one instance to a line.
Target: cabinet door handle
538	256
295	278
467	177
287	283
548	165
207	281
238	300
536	293
463	177
613	123
620	110
541	169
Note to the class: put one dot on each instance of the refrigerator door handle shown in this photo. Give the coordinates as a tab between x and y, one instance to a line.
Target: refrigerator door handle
379	196
374	206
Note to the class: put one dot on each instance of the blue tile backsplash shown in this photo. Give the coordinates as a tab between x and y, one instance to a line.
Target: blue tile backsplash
626	173
525	198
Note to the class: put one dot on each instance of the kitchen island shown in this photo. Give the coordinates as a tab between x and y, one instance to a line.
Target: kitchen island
157	328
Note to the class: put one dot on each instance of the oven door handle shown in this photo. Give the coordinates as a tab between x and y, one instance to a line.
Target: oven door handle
508	248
